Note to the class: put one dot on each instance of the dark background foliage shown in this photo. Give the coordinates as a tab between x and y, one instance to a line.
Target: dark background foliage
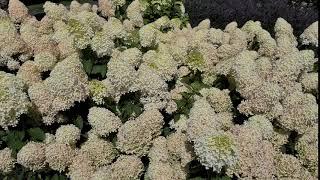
300	14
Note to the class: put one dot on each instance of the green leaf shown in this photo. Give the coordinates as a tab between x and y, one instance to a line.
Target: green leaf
14	140
197	86
221	178
129	109
99	69
2	133
166	131
87	66
36	134
55	177
197	178
78	122
180	103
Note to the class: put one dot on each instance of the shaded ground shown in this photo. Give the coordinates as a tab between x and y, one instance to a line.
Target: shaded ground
300	14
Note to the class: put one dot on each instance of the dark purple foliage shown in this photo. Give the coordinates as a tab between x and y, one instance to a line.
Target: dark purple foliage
221	12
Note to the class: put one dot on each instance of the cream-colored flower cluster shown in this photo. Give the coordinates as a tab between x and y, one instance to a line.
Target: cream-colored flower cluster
274	81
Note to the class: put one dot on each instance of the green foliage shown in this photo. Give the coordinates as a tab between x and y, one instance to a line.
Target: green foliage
78	122
194	84
158	8
14	140
129	106
93	65
21	173
100	69
221	178
36	134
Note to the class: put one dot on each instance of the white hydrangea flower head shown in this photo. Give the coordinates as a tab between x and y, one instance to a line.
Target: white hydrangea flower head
54	11
13	65
135	136
255	155
204	24
216	150
310	35
289	167
7	162
10	41
279	138
126	167
161	165
244	72
202	119
45	61
219	100
262	99
180	125
13	100
132	56
65	41
49	138
29	73
18	12
179	148
262	124
148	35
80	32
91	19
307	148
100	151
59	156
68	134
179	48
135	14
98	91
102	44
32	156
67	84
121	74
289	66
106	8
218	37
286	41
81	168
114	28
103	121
162	22
161	62
196	61
149	82
309	82
267	45
300	112
264	66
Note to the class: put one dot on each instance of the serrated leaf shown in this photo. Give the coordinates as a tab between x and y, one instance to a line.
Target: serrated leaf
99	69
36	134
78	122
